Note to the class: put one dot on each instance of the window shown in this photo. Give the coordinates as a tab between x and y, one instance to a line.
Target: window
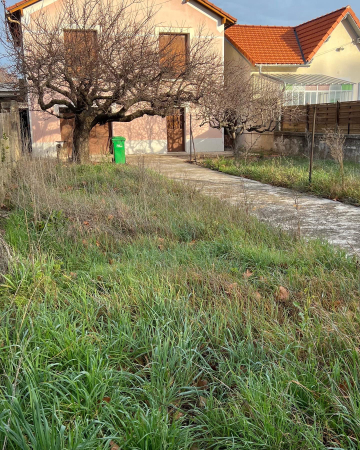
173	53
80	51
310	95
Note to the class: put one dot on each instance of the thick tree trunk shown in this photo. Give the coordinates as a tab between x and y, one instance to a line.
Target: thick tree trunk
81	150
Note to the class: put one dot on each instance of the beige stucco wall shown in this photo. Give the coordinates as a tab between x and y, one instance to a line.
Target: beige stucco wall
232	55
147	134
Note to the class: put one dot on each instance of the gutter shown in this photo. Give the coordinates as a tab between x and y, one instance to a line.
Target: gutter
261	73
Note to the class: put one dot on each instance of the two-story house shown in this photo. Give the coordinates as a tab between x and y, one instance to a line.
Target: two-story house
147	134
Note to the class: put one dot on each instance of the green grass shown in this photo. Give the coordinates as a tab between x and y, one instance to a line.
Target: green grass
293	172
126	317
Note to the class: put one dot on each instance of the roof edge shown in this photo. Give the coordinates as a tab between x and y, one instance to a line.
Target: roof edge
227	18
224	15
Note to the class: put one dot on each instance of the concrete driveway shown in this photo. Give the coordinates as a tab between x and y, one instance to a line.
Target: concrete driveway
313	217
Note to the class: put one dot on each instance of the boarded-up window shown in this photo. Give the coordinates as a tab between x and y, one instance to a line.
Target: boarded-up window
80	51
173	53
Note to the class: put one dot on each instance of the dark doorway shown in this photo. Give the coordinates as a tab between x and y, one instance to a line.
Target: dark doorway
25	130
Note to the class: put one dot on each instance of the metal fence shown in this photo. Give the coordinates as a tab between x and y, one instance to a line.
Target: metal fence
345	116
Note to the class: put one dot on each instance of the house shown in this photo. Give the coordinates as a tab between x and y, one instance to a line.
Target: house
148	134
318	61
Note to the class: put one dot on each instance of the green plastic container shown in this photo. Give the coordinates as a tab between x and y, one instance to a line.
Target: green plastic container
119	149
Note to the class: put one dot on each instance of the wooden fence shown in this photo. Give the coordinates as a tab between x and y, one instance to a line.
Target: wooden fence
345	115
10	143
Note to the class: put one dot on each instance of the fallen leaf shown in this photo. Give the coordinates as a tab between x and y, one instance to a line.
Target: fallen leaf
257	295
247	274
283	293
114	446
73	274
110	217
202	384
192	243
111	261
161	247
86	223
107	399
202	402
84	241
232	286
178	415
161	240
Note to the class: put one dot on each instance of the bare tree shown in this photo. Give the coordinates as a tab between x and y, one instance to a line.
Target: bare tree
335	140
102	61
242	102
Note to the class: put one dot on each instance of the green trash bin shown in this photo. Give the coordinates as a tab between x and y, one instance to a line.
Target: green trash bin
119	149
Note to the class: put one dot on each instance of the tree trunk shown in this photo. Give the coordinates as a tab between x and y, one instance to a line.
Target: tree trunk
81	150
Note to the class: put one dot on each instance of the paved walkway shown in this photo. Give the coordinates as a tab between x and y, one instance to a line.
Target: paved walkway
314	217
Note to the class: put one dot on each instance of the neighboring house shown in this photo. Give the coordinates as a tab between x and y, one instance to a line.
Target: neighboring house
146	134
318	61
9	88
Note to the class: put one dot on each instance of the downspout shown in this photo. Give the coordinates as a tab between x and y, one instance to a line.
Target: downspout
274	79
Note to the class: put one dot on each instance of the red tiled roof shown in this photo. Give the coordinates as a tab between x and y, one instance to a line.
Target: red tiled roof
286	45
230	19
265	45
314	33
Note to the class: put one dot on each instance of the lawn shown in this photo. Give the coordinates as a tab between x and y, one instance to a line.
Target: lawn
138	314
293	172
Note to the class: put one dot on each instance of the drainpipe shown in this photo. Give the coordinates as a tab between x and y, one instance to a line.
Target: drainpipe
274	79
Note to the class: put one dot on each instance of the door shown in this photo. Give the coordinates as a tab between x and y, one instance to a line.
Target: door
99	142
175	132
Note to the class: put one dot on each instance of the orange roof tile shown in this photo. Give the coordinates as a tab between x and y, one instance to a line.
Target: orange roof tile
314	33
230	19
266	45
286	45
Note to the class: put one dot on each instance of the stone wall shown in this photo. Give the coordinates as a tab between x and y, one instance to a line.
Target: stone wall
299	144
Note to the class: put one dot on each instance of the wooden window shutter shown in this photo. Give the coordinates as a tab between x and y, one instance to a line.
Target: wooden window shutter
173	53
80	50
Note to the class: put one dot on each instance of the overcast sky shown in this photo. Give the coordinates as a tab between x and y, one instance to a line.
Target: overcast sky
281	12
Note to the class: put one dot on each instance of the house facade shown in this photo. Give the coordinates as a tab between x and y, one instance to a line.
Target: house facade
148	134
317	61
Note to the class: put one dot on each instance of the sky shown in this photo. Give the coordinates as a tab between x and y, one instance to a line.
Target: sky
281	12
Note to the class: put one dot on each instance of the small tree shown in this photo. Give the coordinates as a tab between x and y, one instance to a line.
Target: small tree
335	140
241	102
102	61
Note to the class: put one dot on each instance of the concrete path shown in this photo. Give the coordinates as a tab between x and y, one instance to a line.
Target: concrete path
314	217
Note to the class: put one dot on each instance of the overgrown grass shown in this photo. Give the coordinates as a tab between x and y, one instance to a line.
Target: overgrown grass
138	314
293	172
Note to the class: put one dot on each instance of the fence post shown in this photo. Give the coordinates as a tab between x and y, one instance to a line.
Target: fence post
312	146
307	118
